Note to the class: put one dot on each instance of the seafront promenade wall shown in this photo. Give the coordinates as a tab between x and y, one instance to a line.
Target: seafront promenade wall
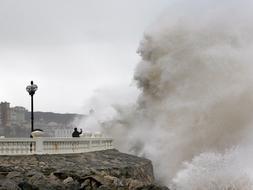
47	145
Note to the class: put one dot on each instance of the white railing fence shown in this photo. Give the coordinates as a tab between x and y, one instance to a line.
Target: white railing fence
47	145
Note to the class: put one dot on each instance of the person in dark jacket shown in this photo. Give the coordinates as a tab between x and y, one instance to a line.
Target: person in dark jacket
76	133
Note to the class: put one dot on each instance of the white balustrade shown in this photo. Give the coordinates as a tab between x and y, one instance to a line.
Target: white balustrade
47	145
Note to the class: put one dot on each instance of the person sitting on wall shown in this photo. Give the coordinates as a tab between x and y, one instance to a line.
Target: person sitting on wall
76	133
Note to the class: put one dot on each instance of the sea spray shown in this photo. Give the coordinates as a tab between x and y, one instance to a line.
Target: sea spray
196	100
215	171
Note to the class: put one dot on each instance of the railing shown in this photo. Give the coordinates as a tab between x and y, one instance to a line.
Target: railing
46	145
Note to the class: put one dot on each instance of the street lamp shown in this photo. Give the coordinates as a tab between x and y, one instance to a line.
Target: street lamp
31	90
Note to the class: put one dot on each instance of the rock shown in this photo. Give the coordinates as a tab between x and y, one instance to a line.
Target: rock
61	175
41	182
42	163
73	185
52	177
85	184
37	178
15	176
68	180
92	182
47	170
133	184
6	168
26	186
152	187
109	180
54	181
109	169
104	187
95	184
7	184
31	173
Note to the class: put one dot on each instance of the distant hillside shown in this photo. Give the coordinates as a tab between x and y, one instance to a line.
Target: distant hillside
54	117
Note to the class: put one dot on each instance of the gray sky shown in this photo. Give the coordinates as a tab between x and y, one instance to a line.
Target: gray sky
74	50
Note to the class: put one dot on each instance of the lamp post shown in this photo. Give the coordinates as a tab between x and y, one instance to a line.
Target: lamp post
31	90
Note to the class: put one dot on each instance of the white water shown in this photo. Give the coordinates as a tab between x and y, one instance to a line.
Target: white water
193	118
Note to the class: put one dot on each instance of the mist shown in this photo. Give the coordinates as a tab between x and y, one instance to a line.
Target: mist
72	48
194	111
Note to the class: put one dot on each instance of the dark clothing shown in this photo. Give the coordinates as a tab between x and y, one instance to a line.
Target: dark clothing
76	133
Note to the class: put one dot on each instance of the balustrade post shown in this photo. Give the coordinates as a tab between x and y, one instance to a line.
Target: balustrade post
39	149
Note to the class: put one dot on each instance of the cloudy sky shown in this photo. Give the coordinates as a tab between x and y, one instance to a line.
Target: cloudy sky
74	50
